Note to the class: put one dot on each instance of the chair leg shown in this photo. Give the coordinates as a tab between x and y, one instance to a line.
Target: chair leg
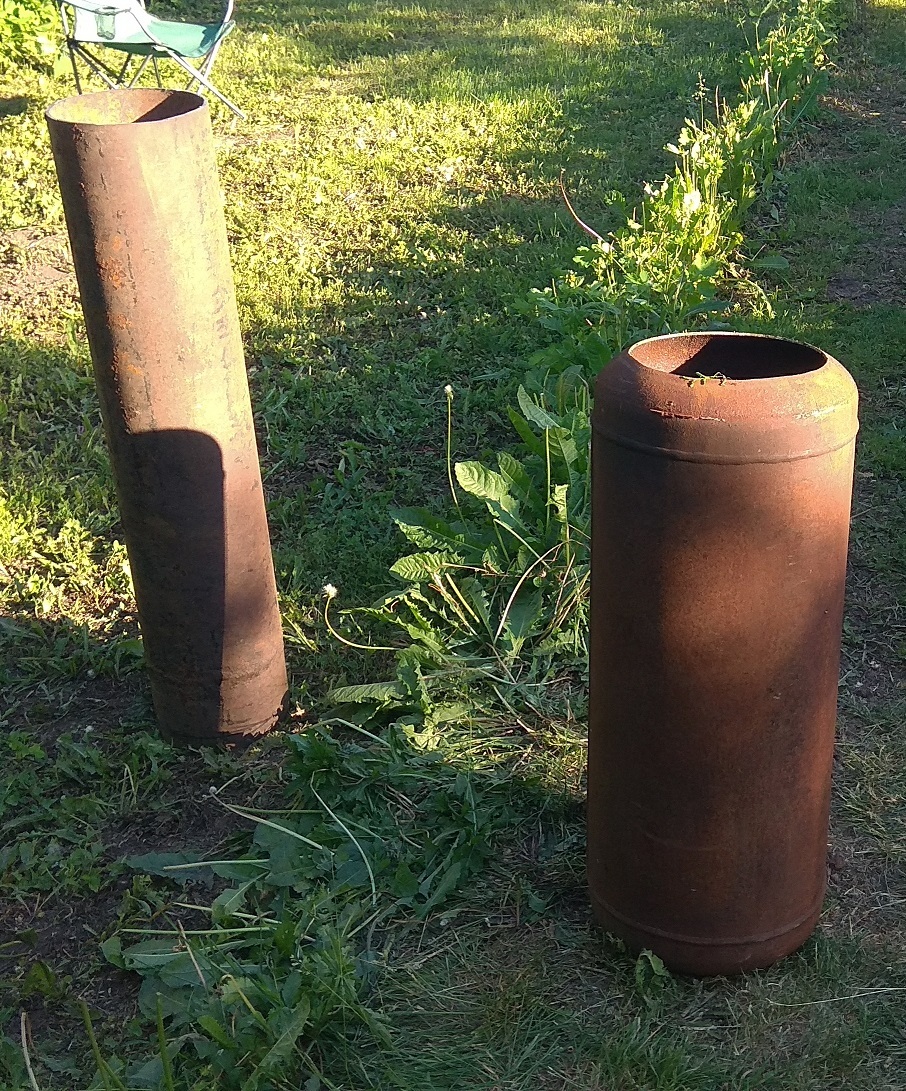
200	77
75	69
96	66
141	68
211	57
124	69
114	78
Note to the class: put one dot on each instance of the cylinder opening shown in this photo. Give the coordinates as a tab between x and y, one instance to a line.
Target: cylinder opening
727	355
127	106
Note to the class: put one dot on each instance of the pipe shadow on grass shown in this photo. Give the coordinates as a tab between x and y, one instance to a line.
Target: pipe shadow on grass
195	613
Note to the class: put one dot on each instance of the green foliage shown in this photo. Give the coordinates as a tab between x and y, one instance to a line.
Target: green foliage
48	588
370	828
500	586
55	803
886	449
28	188
662	270
29	33
501	591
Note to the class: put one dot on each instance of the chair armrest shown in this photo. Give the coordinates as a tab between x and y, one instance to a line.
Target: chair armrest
130	8
104	9
228	13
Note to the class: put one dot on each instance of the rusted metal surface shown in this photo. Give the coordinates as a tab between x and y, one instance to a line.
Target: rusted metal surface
720	532
145	217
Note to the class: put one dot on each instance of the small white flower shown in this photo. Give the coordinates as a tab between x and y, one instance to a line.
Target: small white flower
692	201
330	591
448	390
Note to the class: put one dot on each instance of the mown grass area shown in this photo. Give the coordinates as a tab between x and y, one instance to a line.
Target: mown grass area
390	205
392	198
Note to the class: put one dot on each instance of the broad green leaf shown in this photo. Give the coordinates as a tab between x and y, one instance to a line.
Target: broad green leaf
292	863
352	873
475	595
520	621
171	865
148	1075
560	502
774	262
510	520
420	629
447	883
373	691
212	1028
280	1051
228	902
528	437
40	981
175	1000
534	412
564	445
151	1074
476	479
112	950
284	939
405	884
423	567
150	953
239	871
426	530
521	485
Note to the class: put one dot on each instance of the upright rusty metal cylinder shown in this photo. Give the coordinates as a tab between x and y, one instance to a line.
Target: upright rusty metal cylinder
145	215
722	478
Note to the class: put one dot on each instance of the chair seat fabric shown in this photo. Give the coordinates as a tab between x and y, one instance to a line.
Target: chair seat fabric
188	39
185	39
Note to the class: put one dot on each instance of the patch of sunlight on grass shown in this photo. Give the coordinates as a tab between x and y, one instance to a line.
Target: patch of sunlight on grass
390	200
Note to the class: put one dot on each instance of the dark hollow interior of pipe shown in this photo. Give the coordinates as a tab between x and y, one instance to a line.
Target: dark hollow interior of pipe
732	356
124	107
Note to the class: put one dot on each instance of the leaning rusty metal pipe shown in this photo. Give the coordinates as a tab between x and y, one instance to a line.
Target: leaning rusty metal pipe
145	215
722	479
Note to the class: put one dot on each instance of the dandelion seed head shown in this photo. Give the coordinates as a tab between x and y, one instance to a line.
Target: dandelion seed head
448	390
330	591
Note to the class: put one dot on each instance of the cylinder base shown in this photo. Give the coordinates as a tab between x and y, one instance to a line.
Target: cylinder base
706	958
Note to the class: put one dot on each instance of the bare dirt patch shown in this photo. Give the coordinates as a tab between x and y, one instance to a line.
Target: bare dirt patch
877	271
867	98
33	264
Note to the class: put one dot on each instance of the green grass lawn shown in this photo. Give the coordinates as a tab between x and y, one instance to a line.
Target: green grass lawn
391	200
390	204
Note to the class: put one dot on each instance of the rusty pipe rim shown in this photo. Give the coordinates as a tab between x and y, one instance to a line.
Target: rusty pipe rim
127	106
798	358
722	396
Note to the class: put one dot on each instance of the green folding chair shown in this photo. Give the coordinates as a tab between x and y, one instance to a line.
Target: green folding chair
127	27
